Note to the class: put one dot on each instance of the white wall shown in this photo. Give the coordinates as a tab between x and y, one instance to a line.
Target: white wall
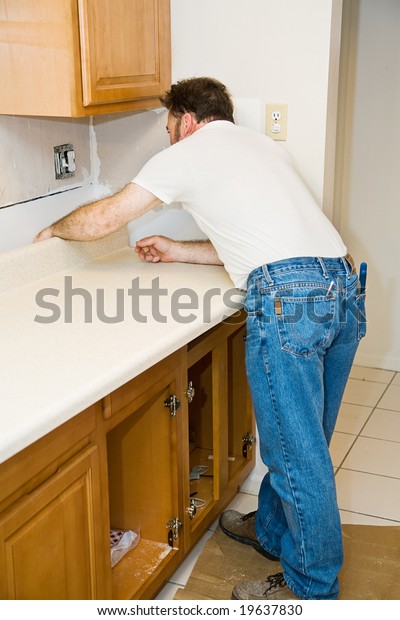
275	52
369	156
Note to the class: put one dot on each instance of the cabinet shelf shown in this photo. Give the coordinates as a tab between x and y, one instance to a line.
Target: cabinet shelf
132	572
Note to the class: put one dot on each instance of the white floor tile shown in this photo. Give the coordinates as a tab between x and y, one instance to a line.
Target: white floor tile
396	380
383	424
365	393
352	418
355	518
340	445
391	398
374	456
372	374
368	494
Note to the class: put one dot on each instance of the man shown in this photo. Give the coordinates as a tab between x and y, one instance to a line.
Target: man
303	324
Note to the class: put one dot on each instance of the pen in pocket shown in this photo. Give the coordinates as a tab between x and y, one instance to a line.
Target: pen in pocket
330	287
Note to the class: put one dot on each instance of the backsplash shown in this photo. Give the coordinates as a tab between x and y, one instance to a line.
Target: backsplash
109	149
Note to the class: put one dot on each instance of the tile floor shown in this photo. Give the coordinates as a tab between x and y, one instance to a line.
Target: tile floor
365	451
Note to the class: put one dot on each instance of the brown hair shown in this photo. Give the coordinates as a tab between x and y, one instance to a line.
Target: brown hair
206	98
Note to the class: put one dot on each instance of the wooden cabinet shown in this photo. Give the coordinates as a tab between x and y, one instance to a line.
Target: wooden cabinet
220	423
56	525
51	539
83	57
144	437
161	456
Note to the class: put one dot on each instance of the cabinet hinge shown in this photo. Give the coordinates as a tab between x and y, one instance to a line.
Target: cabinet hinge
248	442
173	525
195	503
190	392
173	404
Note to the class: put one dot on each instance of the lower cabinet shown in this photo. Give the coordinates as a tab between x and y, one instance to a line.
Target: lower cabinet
158	458
220	423
49	546
144	437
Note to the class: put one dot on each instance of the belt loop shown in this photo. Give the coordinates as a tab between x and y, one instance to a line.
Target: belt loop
346	266
324	272
267	275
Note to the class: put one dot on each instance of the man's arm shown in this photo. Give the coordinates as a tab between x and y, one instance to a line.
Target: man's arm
157	248
99	218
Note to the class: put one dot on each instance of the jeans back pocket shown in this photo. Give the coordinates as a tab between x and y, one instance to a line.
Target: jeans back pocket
304	321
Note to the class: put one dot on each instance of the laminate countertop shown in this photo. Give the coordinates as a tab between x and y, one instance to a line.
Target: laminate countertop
78	320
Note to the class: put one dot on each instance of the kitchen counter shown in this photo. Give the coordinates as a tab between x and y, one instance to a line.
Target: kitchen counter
78	320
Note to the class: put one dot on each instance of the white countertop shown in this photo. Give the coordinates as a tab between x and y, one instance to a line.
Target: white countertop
52	371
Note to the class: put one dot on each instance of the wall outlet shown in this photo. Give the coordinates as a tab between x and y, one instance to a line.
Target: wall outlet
276	120
64	161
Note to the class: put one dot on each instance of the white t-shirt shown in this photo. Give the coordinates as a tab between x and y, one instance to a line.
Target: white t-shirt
245	195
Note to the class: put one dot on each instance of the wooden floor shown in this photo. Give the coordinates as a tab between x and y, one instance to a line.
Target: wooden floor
371	569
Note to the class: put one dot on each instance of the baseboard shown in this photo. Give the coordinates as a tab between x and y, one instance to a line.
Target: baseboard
384	362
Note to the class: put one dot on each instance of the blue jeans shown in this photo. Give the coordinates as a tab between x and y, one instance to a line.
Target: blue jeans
305	319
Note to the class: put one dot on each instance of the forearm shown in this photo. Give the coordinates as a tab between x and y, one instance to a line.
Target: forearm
158	248
201	252
102	217
87	223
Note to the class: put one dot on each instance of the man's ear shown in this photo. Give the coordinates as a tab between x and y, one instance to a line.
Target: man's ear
189	124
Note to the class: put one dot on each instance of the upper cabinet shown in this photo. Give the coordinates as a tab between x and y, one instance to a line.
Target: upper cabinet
76	58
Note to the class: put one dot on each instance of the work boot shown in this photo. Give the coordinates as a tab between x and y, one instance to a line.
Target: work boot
242	528
274	588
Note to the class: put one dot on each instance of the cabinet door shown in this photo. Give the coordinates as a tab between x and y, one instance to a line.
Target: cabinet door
125	49
144	488
48	540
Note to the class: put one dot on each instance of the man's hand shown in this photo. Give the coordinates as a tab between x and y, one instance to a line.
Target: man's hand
159	249
44	234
